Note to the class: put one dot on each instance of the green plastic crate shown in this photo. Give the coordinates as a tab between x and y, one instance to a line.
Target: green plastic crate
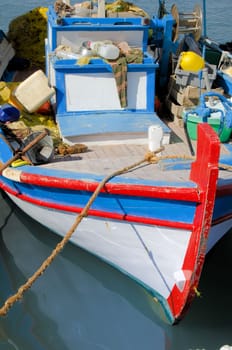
193	121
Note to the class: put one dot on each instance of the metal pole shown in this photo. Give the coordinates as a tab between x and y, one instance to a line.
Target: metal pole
204	18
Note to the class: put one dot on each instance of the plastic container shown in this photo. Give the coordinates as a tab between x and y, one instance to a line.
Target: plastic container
155	137
185	78
193	120
33	92
108	51
8	113
104	49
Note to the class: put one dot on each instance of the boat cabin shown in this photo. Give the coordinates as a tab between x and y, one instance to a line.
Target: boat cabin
96	95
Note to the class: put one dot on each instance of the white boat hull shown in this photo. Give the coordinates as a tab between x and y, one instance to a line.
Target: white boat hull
159	250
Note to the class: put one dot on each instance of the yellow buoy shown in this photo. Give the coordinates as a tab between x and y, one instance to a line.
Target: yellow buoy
190	61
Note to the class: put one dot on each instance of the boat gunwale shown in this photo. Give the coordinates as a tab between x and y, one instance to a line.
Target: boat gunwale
190	194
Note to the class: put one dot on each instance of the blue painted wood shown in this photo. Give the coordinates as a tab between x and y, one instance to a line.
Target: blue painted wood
163	209
75	24
65	67
5	150
100	123
175	164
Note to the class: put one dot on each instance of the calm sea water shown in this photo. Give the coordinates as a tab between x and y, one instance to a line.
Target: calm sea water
82	303
104	310
218	13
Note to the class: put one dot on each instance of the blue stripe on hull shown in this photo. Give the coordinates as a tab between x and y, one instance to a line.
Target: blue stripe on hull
179	211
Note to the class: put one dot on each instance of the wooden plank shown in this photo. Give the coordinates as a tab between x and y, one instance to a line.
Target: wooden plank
188	96
183	98
176	112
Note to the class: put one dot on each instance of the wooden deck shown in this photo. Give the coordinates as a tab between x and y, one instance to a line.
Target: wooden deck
105	159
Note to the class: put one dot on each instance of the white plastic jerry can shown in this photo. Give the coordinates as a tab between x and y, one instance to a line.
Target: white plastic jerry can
155	137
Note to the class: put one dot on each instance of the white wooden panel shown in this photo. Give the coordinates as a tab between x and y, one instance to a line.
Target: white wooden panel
91	92
137	90
100	89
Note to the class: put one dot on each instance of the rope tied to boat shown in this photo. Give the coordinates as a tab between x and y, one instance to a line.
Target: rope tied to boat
150	157
154	157
225	167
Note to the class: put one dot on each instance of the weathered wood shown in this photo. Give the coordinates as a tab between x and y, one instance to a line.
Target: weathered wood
176	111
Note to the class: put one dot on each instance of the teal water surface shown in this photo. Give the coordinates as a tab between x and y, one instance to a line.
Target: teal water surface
82	303
218	13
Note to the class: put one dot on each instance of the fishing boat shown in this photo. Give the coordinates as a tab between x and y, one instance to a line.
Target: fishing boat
146	193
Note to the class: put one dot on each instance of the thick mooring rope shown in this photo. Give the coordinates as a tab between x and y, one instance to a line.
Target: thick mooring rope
225	167
149	158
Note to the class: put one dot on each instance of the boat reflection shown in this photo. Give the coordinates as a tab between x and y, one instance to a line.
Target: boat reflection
79	302
82	303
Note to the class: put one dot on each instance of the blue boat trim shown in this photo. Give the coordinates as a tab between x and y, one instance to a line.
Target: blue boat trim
120	204
73	124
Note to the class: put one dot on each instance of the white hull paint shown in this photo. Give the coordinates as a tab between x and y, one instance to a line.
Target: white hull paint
160	251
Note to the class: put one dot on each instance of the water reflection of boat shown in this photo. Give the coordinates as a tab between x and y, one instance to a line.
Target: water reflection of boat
99	307
79	302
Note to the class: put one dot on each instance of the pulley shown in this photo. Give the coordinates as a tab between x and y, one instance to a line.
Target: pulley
187	23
